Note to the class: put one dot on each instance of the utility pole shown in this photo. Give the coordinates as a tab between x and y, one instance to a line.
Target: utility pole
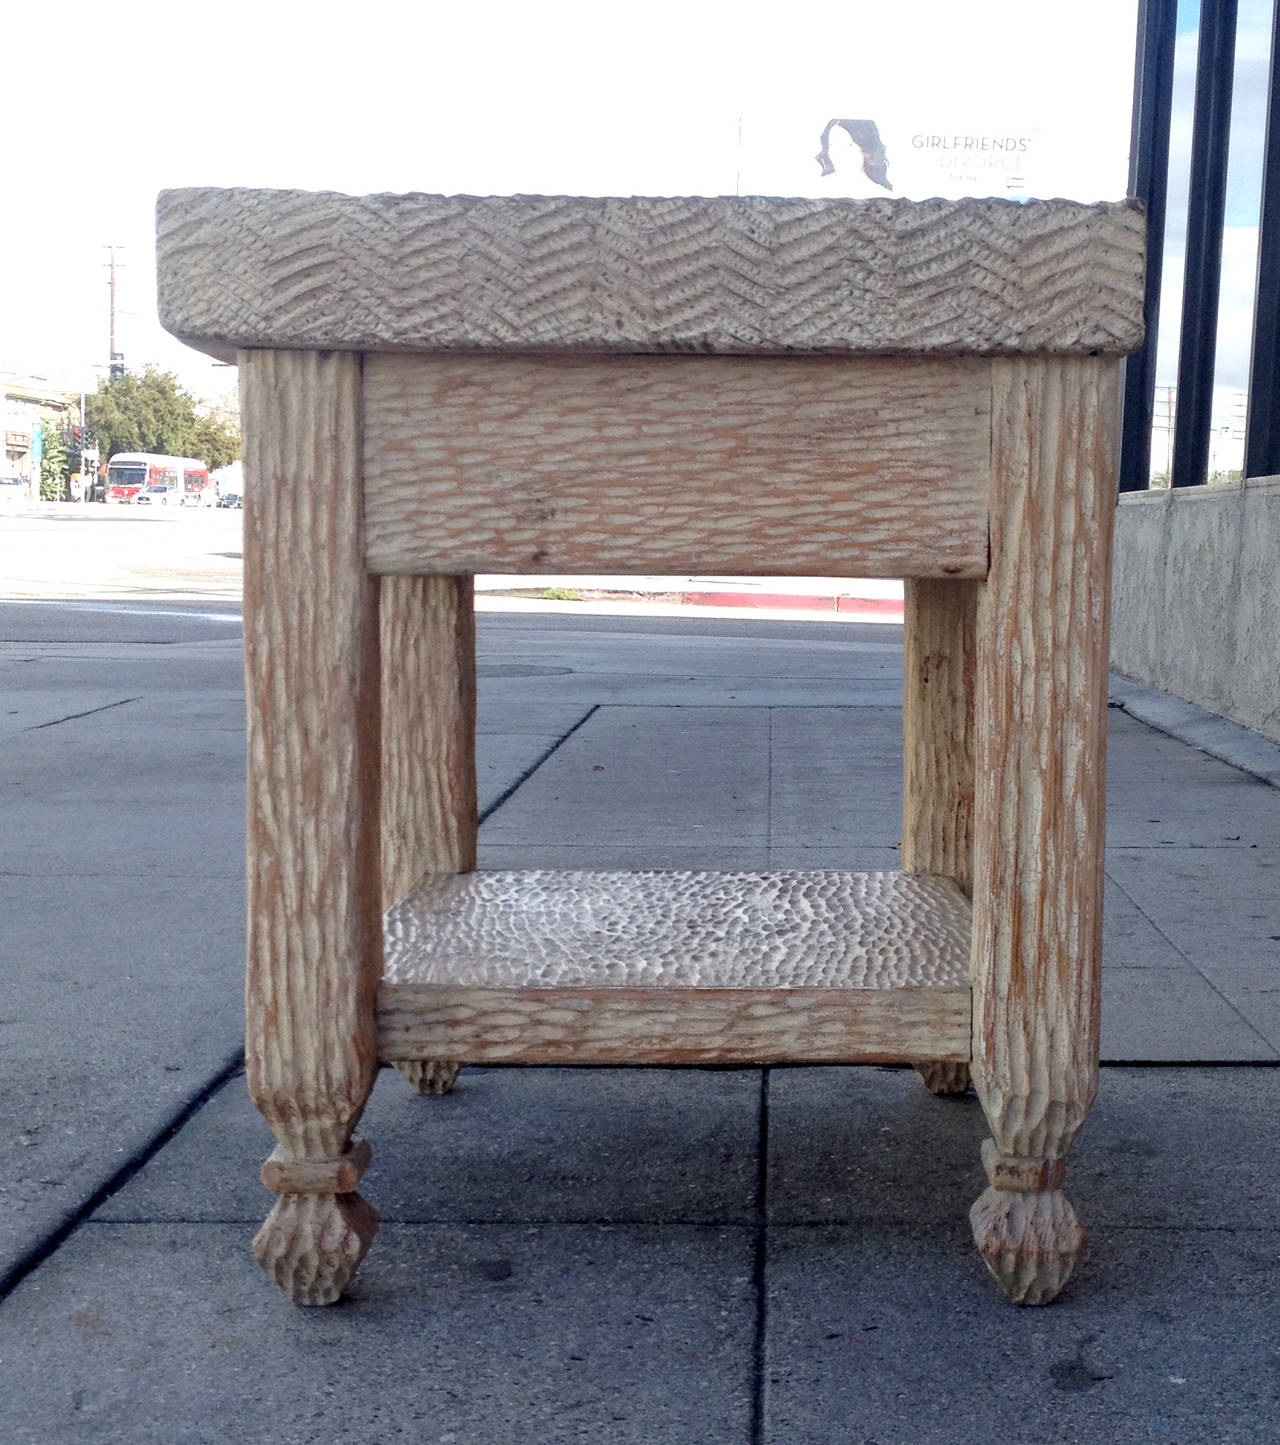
115	358
1170	415
111	286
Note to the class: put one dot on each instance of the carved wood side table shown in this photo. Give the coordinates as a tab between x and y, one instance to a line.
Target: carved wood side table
434	387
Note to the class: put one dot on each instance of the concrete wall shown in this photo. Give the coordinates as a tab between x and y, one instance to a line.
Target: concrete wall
1196	603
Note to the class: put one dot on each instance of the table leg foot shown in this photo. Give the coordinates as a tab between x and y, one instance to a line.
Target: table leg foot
430	1076
311	1244
943	1078
1025	1228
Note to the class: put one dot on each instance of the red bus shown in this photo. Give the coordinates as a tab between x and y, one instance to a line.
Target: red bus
187	478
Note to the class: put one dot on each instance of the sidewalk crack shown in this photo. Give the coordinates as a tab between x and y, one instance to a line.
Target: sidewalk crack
535	765
759	1273
43	1248
1193	965
71	717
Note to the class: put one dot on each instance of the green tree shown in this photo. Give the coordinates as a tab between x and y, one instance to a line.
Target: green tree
218	423
152	413
217	441
55	464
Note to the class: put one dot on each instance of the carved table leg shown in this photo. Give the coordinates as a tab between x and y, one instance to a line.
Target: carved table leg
319	1229
427	1076
314	901
1040	733
428	750
937	751
943	1078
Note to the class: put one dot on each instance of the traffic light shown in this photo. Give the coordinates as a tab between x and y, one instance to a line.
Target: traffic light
117	366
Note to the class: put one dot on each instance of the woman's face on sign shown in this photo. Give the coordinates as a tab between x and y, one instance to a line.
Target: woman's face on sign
845	153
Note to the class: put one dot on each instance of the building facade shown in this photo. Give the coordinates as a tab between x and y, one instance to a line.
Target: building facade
28	403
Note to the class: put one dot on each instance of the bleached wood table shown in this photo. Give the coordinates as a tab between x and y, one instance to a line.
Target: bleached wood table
433	387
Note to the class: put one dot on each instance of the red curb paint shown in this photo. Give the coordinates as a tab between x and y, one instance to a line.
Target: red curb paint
875	606
759	599
885	606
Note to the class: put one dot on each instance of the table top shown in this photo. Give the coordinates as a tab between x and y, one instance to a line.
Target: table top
728	275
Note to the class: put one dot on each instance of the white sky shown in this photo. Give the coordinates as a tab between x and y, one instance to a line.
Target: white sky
557	97
1240	235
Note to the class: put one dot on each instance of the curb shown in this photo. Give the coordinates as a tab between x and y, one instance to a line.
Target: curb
1217	736
879	606
843	606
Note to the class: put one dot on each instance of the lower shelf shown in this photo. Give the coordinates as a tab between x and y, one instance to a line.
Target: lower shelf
658	967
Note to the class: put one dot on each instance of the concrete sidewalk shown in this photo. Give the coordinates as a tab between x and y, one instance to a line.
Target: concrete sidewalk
619	1256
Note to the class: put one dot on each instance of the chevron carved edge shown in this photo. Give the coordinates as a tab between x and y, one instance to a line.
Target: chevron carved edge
728	275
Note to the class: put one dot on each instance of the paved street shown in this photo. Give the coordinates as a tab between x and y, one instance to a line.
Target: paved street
657	1255
91	551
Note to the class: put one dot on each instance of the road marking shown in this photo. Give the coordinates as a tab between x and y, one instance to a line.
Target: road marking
139	610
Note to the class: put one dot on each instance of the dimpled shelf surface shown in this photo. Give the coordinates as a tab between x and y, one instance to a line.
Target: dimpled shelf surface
558	965
660	929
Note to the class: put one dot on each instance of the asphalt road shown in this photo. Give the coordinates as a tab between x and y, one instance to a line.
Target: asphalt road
87	553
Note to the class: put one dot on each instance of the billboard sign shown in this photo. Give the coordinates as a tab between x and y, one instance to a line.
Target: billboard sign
909	155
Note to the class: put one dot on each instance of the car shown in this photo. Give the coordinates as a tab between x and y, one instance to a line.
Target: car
13	491
229	499
154	496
